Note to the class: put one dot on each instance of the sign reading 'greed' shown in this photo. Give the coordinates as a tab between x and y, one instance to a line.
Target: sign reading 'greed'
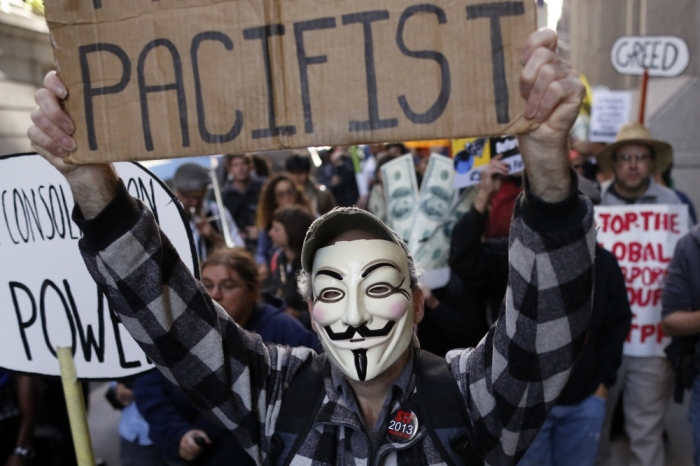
643	239
664	56
47	297
156	79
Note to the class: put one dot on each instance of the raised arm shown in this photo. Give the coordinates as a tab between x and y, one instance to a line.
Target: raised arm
225	371
513	378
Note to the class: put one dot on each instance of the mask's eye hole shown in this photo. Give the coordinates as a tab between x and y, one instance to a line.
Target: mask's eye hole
331	295
380	290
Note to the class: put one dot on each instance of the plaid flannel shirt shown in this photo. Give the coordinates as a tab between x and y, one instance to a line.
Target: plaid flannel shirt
509	381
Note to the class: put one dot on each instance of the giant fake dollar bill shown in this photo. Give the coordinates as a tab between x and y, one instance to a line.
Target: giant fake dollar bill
433	253
377	203
435	199
426	220
401	191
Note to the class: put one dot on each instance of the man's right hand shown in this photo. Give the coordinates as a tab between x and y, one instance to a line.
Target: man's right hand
93	185
189	450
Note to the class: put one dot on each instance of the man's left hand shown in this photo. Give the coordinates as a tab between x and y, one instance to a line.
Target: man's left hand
553	92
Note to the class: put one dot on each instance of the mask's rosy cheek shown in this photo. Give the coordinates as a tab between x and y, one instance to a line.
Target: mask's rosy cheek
389	308
319	313
326	314
397	309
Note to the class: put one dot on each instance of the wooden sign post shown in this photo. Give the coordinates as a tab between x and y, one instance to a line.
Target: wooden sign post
75	403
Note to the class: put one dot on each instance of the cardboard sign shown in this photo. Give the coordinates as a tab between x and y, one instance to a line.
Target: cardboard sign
472	155
665	56
610	110
169	78
47	297
643	238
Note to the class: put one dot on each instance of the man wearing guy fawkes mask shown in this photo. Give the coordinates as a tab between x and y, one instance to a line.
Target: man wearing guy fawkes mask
364	401
362	301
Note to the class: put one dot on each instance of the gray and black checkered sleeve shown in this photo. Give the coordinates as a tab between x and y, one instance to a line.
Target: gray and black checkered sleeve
226	371
512	379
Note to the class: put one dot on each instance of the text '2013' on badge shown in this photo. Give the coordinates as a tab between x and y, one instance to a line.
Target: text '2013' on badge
403	426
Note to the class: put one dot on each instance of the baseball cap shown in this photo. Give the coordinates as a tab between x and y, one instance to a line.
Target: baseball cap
340	220
191	177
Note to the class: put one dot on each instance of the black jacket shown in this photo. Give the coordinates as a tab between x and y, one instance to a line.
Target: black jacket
457	322
481	266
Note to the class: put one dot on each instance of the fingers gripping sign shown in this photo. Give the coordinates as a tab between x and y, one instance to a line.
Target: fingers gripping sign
553	92
50	135
93	185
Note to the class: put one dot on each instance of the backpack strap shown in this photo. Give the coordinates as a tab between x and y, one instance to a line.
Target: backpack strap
443	410
301	401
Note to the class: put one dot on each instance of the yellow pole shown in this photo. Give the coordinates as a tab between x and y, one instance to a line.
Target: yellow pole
75	402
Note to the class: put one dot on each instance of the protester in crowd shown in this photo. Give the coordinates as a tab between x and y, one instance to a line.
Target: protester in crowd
577	162
299	169
368	167
135	445
18	410
479	244
571	433
230	278
634	159
53	440
587	150
279	191
261	166
360	279
681	318
240	195
343	183
289	226
191	182
396	149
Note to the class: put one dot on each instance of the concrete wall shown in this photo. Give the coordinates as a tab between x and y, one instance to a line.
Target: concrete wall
25	57
588	30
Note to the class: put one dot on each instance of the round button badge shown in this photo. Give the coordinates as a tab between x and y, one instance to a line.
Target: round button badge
403	426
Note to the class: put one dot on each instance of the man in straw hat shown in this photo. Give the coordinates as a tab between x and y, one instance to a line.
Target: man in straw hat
634	158
374	397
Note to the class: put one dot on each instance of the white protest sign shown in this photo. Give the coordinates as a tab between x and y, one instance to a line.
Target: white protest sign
47	297
643	238
663	56
610	110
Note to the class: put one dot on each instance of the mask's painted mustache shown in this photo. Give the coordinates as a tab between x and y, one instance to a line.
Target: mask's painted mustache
362	330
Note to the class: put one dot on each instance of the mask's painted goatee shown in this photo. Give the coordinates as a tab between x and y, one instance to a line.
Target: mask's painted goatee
361	363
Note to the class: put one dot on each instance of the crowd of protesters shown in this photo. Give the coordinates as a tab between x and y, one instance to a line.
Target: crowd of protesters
267	214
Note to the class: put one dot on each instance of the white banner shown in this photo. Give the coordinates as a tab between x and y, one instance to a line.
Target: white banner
610	110
643	238
47	297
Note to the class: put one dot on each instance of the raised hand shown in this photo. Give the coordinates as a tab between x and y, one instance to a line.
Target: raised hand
553	92
93	185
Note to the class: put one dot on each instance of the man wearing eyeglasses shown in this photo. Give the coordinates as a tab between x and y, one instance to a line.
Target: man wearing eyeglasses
634	158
